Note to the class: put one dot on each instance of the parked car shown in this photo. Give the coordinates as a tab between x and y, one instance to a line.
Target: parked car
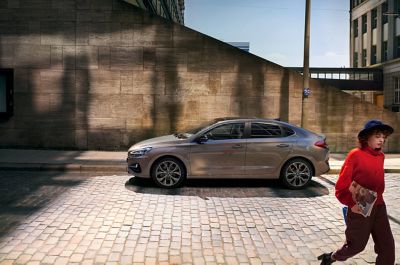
232	148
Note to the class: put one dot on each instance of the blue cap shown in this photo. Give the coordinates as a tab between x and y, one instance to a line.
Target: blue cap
375	125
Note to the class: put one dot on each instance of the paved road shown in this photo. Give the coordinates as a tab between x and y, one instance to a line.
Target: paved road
48	218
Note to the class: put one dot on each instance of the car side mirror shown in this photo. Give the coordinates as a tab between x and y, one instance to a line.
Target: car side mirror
202	139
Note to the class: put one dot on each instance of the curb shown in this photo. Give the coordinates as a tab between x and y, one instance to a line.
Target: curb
111	167
121	168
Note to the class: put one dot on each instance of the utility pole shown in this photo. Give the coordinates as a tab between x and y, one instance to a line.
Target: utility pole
306	63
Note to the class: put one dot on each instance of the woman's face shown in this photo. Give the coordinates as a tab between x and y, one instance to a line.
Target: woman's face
376	140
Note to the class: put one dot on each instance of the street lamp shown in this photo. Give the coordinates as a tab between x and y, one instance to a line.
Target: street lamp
306	64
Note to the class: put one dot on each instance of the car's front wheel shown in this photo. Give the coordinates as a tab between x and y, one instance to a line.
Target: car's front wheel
297	173
168	172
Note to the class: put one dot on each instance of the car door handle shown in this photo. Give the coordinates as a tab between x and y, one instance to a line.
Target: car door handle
238	146
282	145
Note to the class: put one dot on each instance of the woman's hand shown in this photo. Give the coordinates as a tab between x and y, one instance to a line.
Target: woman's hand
356	209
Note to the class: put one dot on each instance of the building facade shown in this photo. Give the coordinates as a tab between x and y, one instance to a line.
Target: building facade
375	42
169	9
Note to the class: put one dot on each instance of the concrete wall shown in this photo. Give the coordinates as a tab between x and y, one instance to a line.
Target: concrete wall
104	74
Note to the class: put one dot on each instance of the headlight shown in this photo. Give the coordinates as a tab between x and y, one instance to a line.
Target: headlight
140	152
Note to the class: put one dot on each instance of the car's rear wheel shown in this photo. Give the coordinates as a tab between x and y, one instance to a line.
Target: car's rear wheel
297	173
168	173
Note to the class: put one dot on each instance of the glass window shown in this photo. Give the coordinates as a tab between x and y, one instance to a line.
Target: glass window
263	130
364	57
3	93
355	59
374	18
384	51
6	93
373	54
227	131
287	131
364	24
396	90
397	6
355	28
384	13
398	46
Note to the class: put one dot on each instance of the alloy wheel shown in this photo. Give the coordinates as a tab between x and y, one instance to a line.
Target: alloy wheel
298	174
168	173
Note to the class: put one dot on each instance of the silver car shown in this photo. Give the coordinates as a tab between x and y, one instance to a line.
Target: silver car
232	148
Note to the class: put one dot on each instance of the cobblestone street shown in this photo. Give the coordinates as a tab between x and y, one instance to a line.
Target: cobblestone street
48	218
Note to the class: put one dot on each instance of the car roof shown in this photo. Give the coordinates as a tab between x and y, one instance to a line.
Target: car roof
222	119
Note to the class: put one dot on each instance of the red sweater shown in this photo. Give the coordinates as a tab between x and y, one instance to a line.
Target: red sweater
365	166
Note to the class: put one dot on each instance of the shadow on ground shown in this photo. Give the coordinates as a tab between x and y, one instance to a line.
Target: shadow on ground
225	188
24	193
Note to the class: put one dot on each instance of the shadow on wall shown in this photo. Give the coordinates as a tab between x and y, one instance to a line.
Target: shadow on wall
71	113
162	109
51	106
248	88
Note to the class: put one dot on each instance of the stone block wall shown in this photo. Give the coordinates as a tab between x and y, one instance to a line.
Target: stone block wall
104	74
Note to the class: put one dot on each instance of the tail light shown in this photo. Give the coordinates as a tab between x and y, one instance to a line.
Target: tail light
322	144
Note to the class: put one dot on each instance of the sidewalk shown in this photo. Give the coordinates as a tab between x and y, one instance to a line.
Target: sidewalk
76	161
107	161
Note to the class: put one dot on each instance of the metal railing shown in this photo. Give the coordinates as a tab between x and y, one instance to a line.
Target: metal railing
348	78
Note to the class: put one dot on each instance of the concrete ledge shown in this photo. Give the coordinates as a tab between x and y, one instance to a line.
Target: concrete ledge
64	167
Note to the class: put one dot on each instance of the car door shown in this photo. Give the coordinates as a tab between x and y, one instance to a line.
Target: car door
223	154
267	149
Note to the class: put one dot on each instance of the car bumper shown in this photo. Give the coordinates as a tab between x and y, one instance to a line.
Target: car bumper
137	167
322	167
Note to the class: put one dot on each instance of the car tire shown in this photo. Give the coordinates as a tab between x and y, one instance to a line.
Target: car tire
296	174
168	173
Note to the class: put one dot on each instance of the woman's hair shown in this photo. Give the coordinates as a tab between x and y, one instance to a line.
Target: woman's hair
363	139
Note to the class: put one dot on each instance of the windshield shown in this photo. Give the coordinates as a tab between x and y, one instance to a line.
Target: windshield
191	131
197	129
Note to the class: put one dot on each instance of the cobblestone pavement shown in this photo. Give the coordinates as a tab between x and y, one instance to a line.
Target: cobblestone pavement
49	218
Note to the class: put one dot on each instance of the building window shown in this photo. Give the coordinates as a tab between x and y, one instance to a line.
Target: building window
398	46
355	28
397	3
384	13
373	54
355	3
396	90
6	93
364	57
355	59
384	51
364	24
374	18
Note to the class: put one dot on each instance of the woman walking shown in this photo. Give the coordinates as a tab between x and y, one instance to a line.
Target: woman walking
364	165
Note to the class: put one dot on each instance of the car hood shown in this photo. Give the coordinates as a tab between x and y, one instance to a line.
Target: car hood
158	141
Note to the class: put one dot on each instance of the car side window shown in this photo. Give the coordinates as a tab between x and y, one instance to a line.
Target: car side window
227	131
265	130
287	131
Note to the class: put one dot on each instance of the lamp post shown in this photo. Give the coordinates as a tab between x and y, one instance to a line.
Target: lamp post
306	64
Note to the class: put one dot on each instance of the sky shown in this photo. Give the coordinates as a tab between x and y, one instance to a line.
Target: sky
275	28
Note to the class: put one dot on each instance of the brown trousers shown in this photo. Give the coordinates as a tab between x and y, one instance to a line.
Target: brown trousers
357	234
